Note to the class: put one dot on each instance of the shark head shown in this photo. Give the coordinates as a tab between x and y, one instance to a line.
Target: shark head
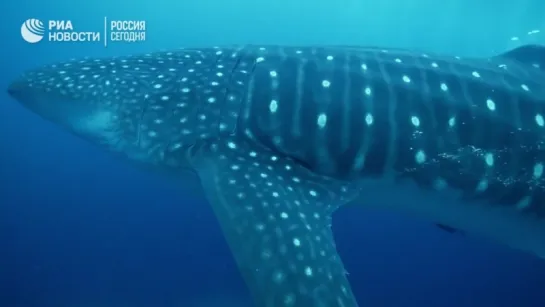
83	97
142	106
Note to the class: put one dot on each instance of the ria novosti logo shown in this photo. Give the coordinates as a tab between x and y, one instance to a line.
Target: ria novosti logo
32	30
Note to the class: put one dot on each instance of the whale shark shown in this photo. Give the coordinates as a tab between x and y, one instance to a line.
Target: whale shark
281	137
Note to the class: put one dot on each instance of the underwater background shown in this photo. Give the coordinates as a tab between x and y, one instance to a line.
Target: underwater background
78	228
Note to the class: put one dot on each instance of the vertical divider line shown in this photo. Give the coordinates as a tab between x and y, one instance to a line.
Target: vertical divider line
105	31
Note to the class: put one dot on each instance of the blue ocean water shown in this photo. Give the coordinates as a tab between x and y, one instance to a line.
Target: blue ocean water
78	228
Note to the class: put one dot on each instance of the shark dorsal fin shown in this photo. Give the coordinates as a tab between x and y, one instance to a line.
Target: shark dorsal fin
533	55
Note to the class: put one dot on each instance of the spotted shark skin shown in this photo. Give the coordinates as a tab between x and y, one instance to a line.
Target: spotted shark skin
281	137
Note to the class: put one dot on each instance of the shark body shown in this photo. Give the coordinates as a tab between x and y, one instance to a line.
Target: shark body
281	137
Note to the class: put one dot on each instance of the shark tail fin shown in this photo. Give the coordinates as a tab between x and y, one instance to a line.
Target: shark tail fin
532	55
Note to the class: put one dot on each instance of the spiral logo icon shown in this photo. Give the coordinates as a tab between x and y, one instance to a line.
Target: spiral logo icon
32	30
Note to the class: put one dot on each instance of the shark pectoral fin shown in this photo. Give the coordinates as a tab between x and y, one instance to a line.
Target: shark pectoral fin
276	217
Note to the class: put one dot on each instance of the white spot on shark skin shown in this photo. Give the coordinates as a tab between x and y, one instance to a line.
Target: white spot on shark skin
289	300
420	157
524	203
415	121
540	121
538	170
369	119
279	277
440	184
322	120
452	121
308	271
491	105
489	159
273	106
482	185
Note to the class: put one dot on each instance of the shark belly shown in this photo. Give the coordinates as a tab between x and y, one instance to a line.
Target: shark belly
500	224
